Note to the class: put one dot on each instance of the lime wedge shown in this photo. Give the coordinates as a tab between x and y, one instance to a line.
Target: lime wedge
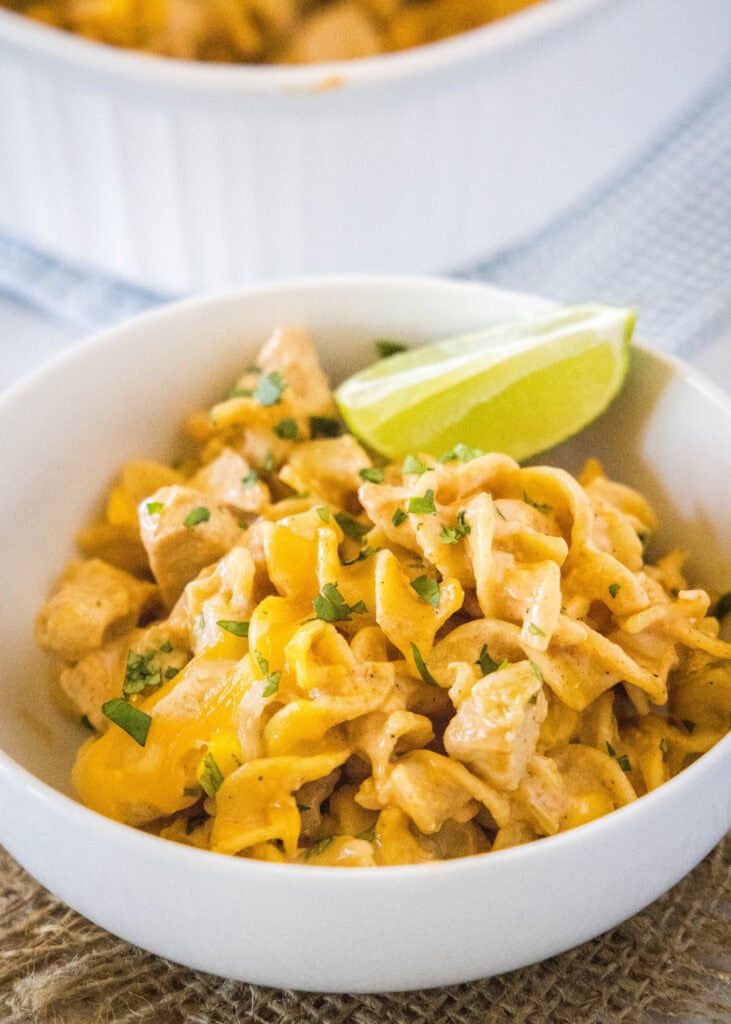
517	388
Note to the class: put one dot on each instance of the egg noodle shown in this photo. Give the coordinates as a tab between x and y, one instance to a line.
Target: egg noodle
347	663
266	31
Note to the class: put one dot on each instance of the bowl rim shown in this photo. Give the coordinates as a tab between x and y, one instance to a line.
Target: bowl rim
110	63
13	774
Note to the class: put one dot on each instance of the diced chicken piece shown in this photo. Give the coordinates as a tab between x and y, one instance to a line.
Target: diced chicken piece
290	351
232	482
101	675
329	467
495	729
94	603
183	531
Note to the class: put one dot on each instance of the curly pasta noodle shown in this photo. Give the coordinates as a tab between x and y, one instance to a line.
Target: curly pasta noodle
290	652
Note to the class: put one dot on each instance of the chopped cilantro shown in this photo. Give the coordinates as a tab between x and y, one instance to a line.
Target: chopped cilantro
414	465
614	589
153	507
663	744
610	749
272	678
361	556
386	347
427	589
461	453
250	479
87	723
535	630
166	648
373	474
269	462
211	777
624	764
533	699
537	504
423	506
140	671
369	834
331	606
286	429
318	848
170	672
197	515
241	393
269	388
234	626
487	665
129	718
536	671
452	534
190	790
722	606
324	513
351	527
398	517
325	426
421	666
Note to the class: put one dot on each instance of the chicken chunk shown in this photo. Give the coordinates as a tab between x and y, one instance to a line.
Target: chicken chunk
94	603
495	729
330	468
232	482
183	531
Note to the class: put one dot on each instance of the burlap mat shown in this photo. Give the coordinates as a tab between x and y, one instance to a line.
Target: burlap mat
670	963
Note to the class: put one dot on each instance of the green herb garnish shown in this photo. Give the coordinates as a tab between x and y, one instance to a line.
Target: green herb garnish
461	453
427	589
663	744
211	778
423	506
250	479
373	474
234	626
197	515
129	718
286	429
369	834
318	848
324	513
140	671
414	465
351	527
268	462
361	556
85	721
487	665
614	589
385	347
269	388
537	504
452	534
535	630
398	517
325	426
624	764
153	507
272	678
331	606
421	667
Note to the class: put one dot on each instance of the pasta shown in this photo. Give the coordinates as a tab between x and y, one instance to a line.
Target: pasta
267	31
290	652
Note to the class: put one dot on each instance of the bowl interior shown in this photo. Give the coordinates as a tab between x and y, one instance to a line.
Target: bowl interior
123	394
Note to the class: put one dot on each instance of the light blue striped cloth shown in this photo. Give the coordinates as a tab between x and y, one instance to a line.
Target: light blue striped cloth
659	239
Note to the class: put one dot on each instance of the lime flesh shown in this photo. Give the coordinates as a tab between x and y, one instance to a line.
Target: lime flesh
517	388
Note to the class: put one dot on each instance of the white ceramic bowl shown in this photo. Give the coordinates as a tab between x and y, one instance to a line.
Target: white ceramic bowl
65	430
183	175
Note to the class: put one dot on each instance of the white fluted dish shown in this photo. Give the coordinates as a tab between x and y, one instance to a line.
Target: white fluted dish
183	175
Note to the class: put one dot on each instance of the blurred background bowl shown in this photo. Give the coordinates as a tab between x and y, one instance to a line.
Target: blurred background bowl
184	175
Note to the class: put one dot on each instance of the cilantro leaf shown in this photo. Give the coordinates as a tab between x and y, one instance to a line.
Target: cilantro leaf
361	556
614	589
197	515
398	517
487	665
331	606
286	429
386	347
140	672
153	507
134	722
423	506
269	388
427	589
319	847
351	527
211	777
461	453
235	626
250	479
536	504
453	534
324	513
421	667
325	426
373	474
414	465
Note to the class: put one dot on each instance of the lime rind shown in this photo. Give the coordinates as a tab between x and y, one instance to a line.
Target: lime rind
519	387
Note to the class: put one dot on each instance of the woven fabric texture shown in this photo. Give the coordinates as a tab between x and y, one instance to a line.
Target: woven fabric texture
671	962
